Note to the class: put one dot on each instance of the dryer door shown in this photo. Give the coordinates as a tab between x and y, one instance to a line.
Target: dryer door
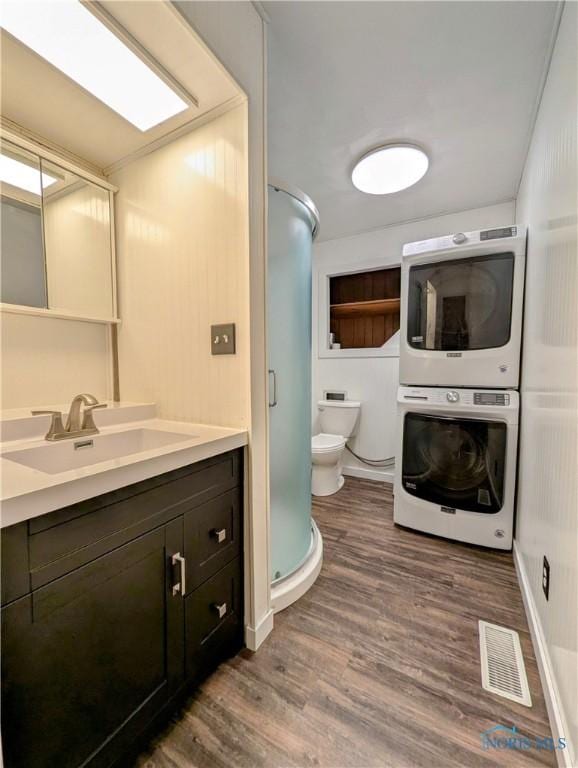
461	304
458	463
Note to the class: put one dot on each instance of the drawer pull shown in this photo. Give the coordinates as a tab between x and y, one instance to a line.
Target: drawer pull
220	608
179	587
220	534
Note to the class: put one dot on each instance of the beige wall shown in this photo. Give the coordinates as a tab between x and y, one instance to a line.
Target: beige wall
182	246
237	35
46	361
547	522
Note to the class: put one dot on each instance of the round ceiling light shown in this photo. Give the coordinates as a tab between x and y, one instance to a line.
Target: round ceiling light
390	169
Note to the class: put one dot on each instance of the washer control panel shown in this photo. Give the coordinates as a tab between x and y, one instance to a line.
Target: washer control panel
442	396
491	398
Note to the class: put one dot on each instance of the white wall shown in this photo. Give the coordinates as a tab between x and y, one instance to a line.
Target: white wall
182	245
547	522
374	380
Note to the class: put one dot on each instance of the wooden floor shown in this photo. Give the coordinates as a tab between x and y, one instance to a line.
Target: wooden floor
377	665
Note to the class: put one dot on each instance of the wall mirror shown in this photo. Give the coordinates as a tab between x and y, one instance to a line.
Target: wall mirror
22	264
57	251
77	242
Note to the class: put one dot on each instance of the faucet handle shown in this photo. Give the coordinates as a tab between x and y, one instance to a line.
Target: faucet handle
87	418
56	426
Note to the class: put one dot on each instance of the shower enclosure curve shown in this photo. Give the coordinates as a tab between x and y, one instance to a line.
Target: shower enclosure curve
296	546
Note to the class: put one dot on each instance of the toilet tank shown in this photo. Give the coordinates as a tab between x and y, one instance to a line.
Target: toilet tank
338	417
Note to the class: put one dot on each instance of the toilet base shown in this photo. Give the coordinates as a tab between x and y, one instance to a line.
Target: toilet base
326	480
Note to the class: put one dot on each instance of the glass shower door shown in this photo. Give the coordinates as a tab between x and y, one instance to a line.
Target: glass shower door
289	345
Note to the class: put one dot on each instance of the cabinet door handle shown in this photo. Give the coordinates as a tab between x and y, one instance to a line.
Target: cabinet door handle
220	534
179	587
221	609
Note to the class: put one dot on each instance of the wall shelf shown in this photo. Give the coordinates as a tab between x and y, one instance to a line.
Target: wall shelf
365	308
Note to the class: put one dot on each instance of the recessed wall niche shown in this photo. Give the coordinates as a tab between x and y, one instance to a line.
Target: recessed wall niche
364	308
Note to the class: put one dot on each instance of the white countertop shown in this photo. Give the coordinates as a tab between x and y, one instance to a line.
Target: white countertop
28	492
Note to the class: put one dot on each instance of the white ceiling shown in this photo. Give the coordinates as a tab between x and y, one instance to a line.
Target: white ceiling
461	79
43	100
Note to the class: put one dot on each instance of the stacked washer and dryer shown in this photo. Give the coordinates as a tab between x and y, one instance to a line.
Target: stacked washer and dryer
458	401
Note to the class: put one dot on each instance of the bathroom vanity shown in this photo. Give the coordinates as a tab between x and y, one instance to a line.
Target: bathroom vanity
116	605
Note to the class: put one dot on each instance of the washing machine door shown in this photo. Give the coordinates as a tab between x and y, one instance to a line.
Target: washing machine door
461	304
457	463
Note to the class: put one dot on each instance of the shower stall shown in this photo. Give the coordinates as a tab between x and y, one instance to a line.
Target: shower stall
296	546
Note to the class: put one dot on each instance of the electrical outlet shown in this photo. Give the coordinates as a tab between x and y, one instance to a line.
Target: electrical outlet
546	577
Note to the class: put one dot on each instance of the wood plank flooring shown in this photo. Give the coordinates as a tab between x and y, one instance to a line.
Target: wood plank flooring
377	666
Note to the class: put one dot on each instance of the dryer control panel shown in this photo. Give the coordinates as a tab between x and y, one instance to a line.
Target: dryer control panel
513	238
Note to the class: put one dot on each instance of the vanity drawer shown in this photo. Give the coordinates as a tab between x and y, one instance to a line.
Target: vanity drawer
214	620
212	536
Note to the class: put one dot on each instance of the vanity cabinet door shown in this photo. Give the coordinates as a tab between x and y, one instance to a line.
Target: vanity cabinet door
89	659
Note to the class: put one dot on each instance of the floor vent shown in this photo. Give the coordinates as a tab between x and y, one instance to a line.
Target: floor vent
503	670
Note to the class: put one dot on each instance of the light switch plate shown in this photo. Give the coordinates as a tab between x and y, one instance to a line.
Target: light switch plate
223	339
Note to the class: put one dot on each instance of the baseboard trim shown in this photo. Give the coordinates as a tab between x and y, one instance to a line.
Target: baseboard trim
556	715
383	476
255	636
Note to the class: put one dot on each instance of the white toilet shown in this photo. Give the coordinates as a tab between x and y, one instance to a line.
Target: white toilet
338	420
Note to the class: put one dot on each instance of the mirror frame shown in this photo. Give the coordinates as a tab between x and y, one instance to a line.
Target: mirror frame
45	153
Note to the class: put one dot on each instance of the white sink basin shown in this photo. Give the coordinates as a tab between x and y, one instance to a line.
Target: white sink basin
57	457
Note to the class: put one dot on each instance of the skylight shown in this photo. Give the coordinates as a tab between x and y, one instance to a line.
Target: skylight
23	176
71	38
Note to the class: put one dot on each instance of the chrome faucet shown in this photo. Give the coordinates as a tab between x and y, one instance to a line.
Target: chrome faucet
75	425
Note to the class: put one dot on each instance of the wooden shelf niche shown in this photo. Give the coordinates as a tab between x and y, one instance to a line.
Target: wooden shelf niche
364	307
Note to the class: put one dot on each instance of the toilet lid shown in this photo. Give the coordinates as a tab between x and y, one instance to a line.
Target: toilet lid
324	442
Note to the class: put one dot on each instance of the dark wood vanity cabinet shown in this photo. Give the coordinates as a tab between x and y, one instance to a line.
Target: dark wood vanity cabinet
90	650
101	633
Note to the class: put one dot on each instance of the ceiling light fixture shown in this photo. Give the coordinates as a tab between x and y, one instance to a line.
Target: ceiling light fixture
76	42
390	168
23	176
